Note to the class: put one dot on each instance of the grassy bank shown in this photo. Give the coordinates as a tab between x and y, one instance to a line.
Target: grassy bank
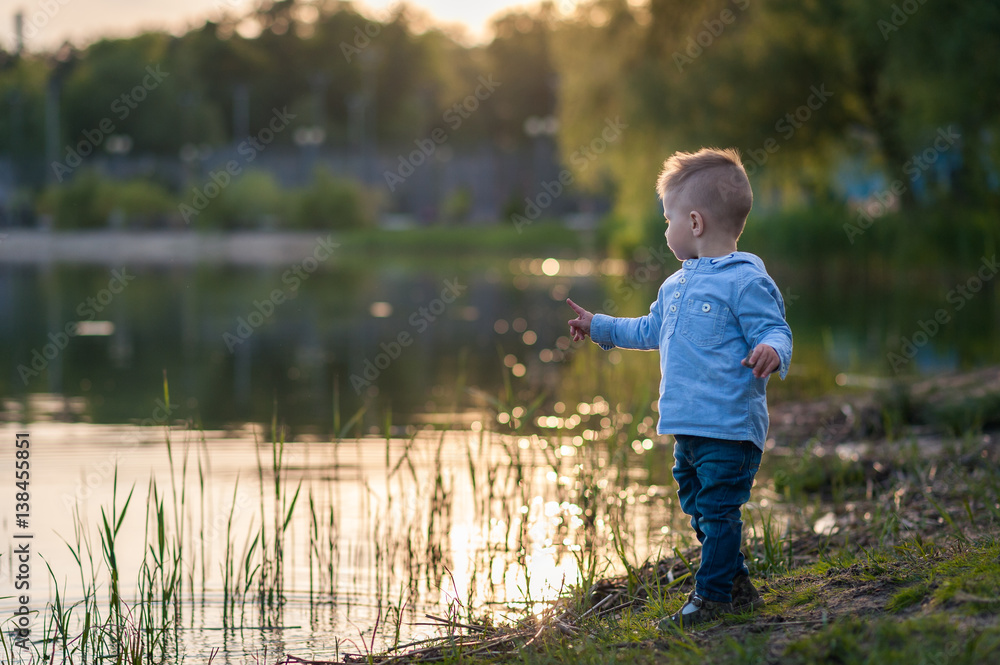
880	543
916	602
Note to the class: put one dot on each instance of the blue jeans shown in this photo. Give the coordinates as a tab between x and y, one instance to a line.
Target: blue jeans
714	477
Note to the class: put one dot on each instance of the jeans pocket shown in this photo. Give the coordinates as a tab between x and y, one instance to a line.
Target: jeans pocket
704	321
754	457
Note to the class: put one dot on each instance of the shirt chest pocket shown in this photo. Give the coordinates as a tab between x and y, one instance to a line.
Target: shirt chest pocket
703	322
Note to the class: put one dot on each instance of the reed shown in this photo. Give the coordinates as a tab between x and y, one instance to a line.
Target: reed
410	527
410	555
133	632
270	576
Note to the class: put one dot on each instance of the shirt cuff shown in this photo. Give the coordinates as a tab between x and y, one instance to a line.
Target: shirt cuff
600	331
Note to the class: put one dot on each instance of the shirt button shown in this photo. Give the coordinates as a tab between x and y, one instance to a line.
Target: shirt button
689	263
673	308
682	280
706	307
677	294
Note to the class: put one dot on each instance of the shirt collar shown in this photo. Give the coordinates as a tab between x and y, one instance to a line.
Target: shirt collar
704	264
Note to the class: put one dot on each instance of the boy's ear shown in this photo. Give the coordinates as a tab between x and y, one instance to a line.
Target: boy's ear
697	223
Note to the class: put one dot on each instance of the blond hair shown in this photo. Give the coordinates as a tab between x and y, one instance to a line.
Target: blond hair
713	181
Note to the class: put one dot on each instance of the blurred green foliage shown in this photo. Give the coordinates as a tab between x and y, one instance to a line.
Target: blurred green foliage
332	202
255	199
801	87
686	74
322	61
252	200
90	201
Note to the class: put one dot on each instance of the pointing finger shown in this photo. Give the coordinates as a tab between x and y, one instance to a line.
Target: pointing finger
576	308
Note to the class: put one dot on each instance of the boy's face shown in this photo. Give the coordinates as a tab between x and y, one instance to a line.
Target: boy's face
679	233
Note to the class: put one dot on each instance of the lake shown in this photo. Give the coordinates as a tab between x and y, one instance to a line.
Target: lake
447	450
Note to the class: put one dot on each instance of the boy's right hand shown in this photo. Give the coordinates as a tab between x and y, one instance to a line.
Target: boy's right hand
579	327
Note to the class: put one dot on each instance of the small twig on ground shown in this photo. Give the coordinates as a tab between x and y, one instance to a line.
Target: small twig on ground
439	621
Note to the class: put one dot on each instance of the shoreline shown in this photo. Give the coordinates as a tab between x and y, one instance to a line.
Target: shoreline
894	555
278	247
30	247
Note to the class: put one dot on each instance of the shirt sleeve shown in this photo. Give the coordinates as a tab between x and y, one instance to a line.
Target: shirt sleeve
628	333
761	314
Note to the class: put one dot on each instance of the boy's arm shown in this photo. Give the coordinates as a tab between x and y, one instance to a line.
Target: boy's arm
761	315
627	333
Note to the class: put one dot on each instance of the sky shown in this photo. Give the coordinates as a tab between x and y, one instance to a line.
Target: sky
48	23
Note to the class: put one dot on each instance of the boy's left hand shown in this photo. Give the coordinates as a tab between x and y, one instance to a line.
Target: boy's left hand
763	359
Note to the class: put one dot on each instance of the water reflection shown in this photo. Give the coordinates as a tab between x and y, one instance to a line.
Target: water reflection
381	336
408	337
457	522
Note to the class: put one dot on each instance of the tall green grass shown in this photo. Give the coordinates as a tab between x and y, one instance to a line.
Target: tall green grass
104	625
589	438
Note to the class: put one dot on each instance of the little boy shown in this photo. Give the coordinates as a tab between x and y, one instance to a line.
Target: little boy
719	324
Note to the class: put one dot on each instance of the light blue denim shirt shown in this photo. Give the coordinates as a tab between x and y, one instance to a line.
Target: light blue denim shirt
706	318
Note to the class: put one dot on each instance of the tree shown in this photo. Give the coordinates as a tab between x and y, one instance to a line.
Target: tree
797	86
